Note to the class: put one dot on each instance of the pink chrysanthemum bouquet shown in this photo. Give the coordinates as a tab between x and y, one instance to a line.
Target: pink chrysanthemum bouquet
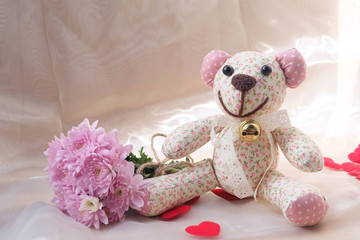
91	179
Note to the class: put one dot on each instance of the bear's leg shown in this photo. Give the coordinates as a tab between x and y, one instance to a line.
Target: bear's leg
171	190
301	204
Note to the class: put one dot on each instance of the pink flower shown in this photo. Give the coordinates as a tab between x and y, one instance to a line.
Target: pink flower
60	191
112	147
70	151
86	209
54	147
113	217
81	142
128	190
95	175
87	170
55	169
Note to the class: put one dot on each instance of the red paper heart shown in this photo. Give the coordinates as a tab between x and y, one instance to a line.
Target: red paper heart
354	173
328	162
221	193
193	200
354	157
358	177
175	211
357	150
348	166
206	228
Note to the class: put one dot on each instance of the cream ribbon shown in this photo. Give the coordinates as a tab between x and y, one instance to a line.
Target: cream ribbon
230	134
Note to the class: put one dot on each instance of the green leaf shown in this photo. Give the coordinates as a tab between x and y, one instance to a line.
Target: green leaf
149	171
139	160
143	158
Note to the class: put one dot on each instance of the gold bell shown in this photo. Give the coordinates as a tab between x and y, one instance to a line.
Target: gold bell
249	130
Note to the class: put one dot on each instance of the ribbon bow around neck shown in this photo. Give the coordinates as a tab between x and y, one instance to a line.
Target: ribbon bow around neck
268	122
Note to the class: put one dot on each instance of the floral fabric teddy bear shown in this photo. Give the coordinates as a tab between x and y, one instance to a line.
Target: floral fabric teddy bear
250	88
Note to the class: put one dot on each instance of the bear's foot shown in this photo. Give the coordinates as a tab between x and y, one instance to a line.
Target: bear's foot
307	210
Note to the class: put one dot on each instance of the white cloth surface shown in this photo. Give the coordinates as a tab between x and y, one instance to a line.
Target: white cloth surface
134	65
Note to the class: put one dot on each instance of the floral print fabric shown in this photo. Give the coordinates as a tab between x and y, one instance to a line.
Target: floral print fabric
171	190
272	87
254	162
289	194
253	158
187	138
299	149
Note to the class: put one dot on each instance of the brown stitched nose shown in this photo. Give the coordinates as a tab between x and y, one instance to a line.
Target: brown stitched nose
243	82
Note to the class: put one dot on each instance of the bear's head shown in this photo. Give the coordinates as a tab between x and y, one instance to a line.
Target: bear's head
251	84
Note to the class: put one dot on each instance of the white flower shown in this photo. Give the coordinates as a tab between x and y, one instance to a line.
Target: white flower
91	204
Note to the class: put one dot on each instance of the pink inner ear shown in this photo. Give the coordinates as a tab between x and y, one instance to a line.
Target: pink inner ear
211	64
293	65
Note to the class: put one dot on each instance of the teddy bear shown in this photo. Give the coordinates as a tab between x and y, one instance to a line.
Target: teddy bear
249	87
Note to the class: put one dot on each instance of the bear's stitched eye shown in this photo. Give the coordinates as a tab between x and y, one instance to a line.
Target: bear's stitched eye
266	70
228	70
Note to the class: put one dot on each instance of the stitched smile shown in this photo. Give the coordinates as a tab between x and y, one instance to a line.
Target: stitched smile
242	106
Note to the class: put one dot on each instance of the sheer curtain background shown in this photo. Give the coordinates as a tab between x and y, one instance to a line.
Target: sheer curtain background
134	65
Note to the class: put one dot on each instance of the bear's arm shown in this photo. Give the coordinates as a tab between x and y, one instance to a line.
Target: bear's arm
188	138
299	149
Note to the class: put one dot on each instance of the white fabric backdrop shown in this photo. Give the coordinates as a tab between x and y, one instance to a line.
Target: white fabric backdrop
134	65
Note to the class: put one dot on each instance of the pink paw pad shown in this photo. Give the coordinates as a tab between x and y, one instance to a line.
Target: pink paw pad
307	210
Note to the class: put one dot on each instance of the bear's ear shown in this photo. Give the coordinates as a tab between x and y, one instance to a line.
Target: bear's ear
211	64
293	65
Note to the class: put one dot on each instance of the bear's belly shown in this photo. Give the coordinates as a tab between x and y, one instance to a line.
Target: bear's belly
254	158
